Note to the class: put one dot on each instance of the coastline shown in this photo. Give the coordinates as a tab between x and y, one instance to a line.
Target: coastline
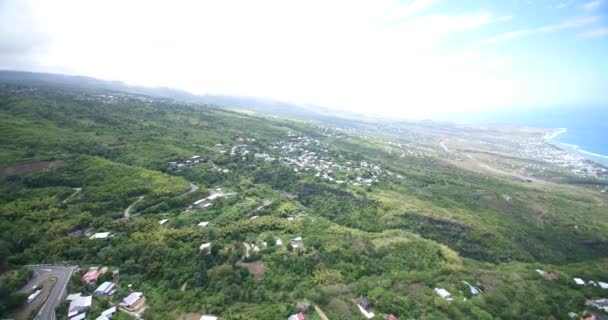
572	148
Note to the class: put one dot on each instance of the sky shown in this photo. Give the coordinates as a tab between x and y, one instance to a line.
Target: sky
417	58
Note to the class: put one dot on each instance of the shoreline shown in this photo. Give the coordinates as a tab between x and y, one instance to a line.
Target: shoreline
600	159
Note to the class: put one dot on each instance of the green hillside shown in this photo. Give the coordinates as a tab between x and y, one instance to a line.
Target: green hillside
388	215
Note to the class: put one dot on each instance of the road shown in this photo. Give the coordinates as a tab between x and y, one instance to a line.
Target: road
193	188
58	291
76	191
128	209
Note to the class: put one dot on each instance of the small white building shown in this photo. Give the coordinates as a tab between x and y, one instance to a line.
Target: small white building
203	224
579	281
101	235
79	304
279	243
163	221
603	285
443	293
205	247
297	243
107	314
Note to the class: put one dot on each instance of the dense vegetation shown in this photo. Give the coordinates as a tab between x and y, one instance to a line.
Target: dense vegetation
91	155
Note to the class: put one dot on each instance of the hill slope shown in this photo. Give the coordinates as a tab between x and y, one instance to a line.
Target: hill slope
387	212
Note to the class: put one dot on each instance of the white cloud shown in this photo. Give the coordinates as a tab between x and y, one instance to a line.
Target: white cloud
594	4
595	33
567	24
385	56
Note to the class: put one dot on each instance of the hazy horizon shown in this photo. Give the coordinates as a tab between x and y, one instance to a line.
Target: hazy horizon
414	59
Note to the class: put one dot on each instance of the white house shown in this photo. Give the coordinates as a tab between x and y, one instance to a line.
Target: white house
105	289
203	224
579	281
603	285
163	221
297	243
101	235
205	247
134	301
443	293
79	304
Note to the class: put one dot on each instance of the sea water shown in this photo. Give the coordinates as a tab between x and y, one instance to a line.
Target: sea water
585	128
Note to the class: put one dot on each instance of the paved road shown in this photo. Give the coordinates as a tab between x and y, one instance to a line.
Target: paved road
58	291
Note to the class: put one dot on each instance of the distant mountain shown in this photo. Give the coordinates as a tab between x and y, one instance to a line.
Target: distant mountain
256	104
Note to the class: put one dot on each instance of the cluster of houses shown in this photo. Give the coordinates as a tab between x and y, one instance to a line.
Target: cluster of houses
581	282
207	202
80	304
192	161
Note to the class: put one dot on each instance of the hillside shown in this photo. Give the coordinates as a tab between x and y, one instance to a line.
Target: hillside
386	210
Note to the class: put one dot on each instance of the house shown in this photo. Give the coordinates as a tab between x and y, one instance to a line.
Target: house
105	289
443	293
101	235
92	274
205	247
133	302
203	224
579	281
279	243
163	221
107	314
79	304
297	243
81	316
603	285
298	316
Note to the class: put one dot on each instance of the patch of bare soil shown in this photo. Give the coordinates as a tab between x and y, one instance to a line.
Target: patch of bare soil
549	276
256	268
28	167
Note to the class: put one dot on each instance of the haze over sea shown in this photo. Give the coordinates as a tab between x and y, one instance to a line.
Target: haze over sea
586	127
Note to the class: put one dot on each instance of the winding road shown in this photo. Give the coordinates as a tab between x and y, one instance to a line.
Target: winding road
76	191
58	291
128	209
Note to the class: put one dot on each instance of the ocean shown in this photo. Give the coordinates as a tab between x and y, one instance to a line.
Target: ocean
585	127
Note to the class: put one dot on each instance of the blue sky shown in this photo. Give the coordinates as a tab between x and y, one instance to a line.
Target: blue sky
418	59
